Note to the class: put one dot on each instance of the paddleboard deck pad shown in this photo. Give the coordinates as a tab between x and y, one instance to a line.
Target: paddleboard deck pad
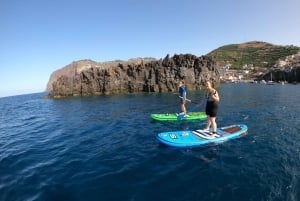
197	138
173	116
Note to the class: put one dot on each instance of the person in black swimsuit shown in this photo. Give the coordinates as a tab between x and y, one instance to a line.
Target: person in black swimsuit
212	106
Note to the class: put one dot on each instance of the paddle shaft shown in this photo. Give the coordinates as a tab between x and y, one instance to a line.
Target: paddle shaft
180	116
185	99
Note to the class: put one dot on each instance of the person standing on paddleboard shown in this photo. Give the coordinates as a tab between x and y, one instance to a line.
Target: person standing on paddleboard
182	96
212	105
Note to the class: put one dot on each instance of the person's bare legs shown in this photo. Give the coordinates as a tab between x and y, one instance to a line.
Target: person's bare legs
213	125
208	123
183	109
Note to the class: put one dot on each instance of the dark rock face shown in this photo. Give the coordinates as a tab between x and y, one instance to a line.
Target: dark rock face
292	75
87	77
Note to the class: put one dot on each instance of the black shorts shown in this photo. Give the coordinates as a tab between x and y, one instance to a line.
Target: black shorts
211	108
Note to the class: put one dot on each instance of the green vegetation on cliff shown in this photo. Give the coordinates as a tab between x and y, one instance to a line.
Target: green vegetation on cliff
260	54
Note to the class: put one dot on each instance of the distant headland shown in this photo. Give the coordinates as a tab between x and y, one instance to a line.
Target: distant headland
87	77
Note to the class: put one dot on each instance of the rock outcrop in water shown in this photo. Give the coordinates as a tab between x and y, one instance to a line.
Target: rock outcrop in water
86	77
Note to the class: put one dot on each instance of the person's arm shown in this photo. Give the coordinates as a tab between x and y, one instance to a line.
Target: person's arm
214	95
206	94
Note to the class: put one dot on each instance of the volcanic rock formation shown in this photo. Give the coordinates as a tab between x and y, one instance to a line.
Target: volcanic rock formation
87	77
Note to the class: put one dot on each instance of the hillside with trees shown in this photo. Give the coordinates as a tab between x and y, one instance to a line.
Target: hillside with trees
259	54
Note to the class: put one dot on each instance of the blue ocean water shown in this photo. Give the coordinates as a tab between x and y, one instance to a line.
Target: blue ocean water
104	148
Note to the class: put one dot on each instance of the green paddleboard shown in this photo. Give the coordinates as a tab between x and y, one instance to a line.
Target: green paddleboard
173	116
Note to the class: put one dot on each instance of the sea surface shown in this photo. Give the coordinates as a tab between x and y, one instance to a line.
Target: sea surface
104	148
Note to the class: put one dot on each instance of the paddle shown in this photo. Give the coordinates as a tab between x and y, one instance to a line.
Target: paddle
185	99
188	100
180	116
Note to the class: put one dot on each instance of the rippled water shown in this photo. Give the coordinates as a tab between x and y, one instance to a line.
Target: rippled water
104	148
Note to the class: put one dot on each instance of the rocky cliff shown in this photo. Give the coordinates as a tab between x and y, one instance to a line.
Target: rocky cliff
86	77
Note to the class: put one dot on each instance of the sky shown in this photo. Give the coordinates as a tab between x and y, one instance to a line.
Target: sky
38	37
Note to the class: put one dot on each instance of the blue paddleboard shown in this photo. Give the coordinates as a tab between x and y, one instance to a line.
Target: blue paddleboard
198	138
